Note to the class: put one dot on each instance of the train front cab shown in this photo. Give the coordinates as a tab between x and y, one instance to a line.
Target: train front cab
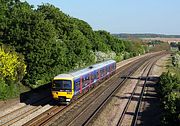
62	90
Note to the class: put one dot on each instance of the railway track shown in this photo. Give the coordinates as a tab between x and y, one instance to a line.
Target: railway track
88	104
128	103
88	122
136	110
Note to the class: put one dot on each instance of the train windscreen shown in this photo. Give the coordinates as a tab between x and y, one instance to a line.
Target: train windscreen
62	85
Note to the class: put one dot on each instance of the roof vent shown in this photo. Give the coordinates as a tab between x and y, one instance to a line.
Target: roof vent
90	67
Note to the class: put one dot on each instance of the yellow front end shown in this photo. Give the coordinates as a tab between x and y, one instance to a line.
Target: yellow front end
57	94
62	89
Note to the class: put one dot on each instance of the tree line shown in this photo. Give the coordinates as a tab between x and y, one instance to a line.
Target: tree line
48	42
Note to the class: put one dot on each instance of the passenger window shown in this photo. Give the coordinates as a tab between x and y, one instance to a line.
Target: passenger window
77	85
83	82
87	79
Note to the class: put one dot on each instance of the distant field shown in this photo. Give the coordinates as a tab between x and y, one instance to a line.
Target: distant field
147	37
124	35
163	39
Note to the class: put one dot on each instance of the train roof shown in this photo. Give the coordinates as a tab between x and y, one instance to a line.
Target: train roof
77	74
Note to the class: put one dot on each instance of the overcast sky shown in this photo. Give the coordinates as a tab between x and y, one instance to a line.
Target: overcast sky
123	16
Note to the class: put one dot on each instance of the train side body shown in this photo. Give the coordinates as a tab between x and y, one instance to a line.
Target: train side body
68	86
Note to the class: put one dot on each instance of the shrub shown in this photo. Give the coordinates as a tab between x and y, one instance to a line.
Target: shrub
170	95
12	70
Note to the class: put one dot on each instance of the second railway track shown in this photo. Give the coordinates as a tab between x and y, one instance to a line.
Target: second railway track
135	106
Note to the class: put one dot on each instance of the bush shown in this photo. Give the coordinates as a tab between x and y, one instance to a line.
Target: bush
170	96
12	66
12	71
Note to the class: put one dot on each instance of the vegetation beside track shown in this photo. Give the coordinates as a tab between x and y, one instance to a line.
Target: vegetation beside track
169	91
12	71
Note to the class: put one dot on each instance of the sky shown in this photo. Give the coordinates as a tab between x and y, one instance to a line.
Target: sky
123	16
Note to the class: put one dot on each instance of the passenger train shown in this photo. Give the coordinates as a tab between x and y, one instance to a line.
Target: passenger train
66	87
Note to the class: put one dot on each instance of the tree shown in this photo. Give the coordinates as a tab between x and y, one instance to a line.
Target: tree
79	49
